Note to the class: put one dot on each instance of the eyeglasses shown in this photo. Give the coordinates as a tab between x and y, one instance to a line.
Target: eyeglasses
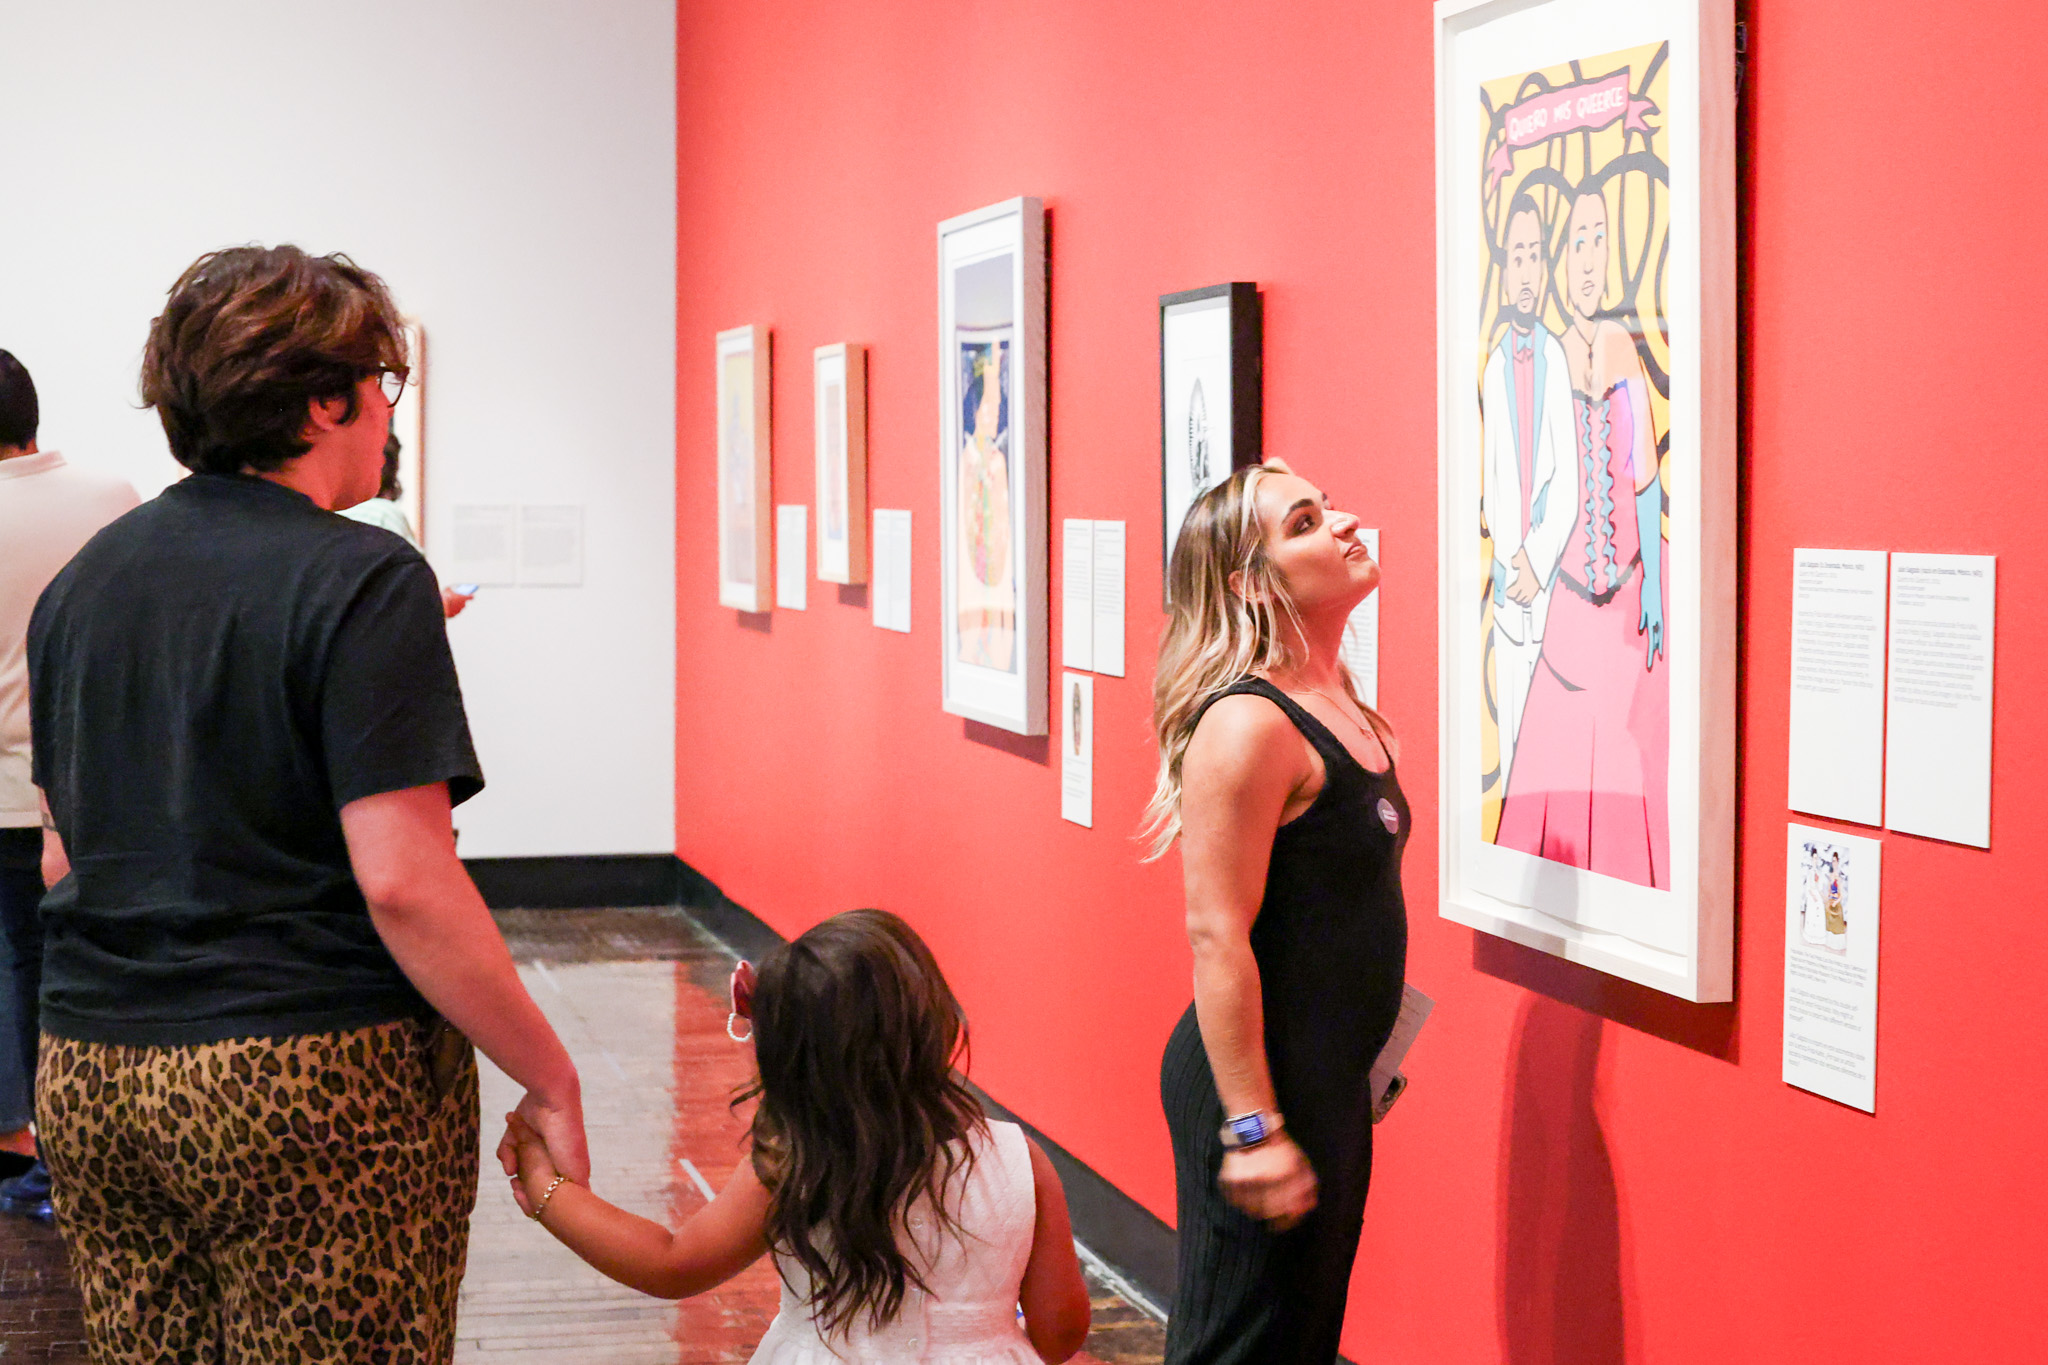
391	379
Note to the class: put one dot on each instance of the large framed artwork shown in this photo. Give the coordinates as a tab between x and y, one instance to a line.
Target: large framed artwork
1586	375
1211	398
744	537
992	486
839	396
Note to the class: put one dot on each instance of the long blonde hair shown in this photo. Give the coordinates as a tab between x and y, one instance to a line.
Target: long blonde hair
1217	634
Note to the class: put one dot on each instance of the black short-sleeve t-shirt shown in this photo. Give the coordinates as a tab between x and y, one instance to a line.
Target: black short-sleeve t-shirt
211	679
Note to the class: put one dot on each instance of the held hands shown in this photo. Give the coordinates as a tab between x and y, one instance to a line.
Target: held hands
525	1158
560	1126
555	1131
1272	1182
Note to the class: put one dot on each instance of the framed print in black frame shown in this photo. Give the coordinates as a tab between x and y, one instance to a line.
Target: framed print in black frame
1211	398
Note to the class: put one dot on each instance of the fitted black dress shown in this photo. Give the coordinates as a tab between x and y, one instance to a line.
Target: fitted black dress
1331	940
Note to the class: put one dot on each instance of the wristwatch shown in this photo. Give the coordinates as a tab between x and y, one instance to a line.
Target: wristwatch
1244	1131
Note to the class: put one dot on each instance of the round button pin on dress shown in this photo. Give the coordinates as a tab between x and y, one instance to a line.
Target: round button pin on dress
1389	817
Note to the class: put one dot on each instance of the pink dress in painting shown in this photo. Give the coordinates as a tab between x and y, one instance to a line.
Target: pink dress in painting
1588	785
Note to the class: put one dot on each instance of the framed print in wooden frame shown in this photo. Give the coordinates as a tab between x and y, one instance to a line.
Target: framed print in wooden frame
839	405
992	485
745	538
1586	468
1211	398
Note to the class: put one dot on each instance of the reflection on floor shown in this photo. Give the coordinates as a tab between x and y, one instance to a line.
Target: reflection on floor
639	998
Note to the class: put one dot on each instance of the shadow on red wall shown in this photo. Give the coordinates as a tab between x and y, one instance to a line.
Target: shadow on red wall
1560	1268
1560	1218
1708	1029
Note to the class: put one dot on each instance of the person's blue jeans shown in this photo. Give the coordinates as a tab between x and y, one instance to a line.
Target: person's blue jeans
21	973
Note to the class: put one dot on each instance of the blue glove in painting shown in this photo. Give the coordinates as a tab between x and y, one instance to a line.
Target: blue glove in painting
1650	526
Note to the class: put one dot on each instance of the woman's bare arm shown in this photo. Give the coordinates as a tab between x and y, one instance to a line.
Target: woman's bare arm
1244	764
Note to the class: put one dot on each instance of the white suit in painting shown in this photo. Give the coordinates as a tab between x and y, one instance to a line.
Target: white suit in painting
1529	499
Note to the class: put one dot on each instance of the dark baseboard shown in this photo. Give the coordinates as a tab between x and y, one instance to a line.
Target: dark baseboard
577	882
725	919
1126	1235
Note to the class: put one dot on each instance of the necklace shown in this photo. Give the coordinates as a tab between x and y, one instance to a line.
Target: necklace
1357	724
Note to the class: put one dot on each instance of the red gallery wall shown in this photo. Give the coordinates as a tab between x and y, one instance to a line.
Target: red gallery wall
1585	1171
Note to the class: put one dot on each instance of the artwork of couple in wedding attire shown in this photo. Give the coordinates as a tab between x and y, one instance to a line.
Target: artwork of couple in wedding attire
1823	918
1574	401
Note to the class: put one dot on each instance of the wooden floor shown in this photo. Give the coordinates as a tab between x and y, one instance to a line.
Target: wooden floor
39	1318
638	996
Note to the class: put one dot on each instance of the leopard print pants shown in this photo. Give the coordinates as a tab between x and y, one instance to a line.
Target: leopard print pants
293	1199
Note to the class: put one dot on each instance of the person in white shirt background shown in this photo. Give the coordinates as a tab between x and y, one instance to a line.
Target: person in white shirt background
48	509
383	510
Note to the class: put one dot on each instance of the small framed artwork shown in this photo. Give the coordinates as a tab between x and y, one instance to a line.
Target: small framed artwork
744	513
1586	470
409	424
992	481
1211	398
840	420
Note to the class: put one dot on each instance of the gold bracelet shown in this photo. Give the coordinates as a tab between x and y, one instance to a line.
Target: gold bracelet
541	1207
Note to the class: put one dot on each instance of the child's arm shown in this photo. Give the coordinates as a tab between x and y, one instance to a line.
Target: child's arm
717	1243
1054	1296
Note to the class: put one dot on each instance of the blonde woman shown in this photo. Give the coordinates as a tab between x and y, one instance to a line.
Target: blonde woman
1279	785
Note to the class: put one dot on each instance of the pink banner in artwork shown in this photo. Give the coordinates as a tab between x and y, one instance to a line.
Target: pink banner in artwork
1581	108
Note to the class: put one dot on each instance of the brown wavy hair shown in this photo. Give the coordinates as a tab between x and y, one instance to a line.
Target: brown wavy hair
862	1115
252	335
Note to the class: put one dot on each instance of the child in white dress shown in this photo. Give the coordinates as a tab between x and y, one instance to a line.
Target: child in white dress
905	1226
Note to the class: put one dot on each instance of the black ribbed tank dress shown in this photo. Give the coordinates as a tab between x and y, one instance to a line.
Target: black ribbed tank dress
1331	940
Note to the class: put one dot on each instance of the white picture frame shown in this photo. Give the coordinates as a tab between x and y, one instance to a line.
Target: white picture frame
992	466
745	515
839	407
1616	119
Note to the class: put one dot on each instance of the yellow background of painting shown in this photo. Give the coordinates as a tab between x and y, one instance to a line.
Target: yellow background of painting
1639	214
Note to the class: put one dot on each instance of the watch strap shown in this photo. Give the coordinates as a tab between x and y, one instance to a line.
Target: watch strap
1242	1132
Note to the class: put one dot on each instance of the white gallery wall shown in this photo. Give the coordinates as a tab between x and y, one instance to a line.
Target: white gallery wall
508	166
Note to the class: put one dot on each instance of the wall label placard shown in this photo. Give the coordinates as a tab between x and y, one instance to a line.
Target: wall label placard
1831	900
792	553
1937	779
891	583
1361	648
1836	763
1077	749
1092	595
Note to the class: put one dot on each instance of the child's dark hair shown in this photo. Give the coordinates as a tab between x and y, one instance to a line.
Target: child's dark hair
861	1112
